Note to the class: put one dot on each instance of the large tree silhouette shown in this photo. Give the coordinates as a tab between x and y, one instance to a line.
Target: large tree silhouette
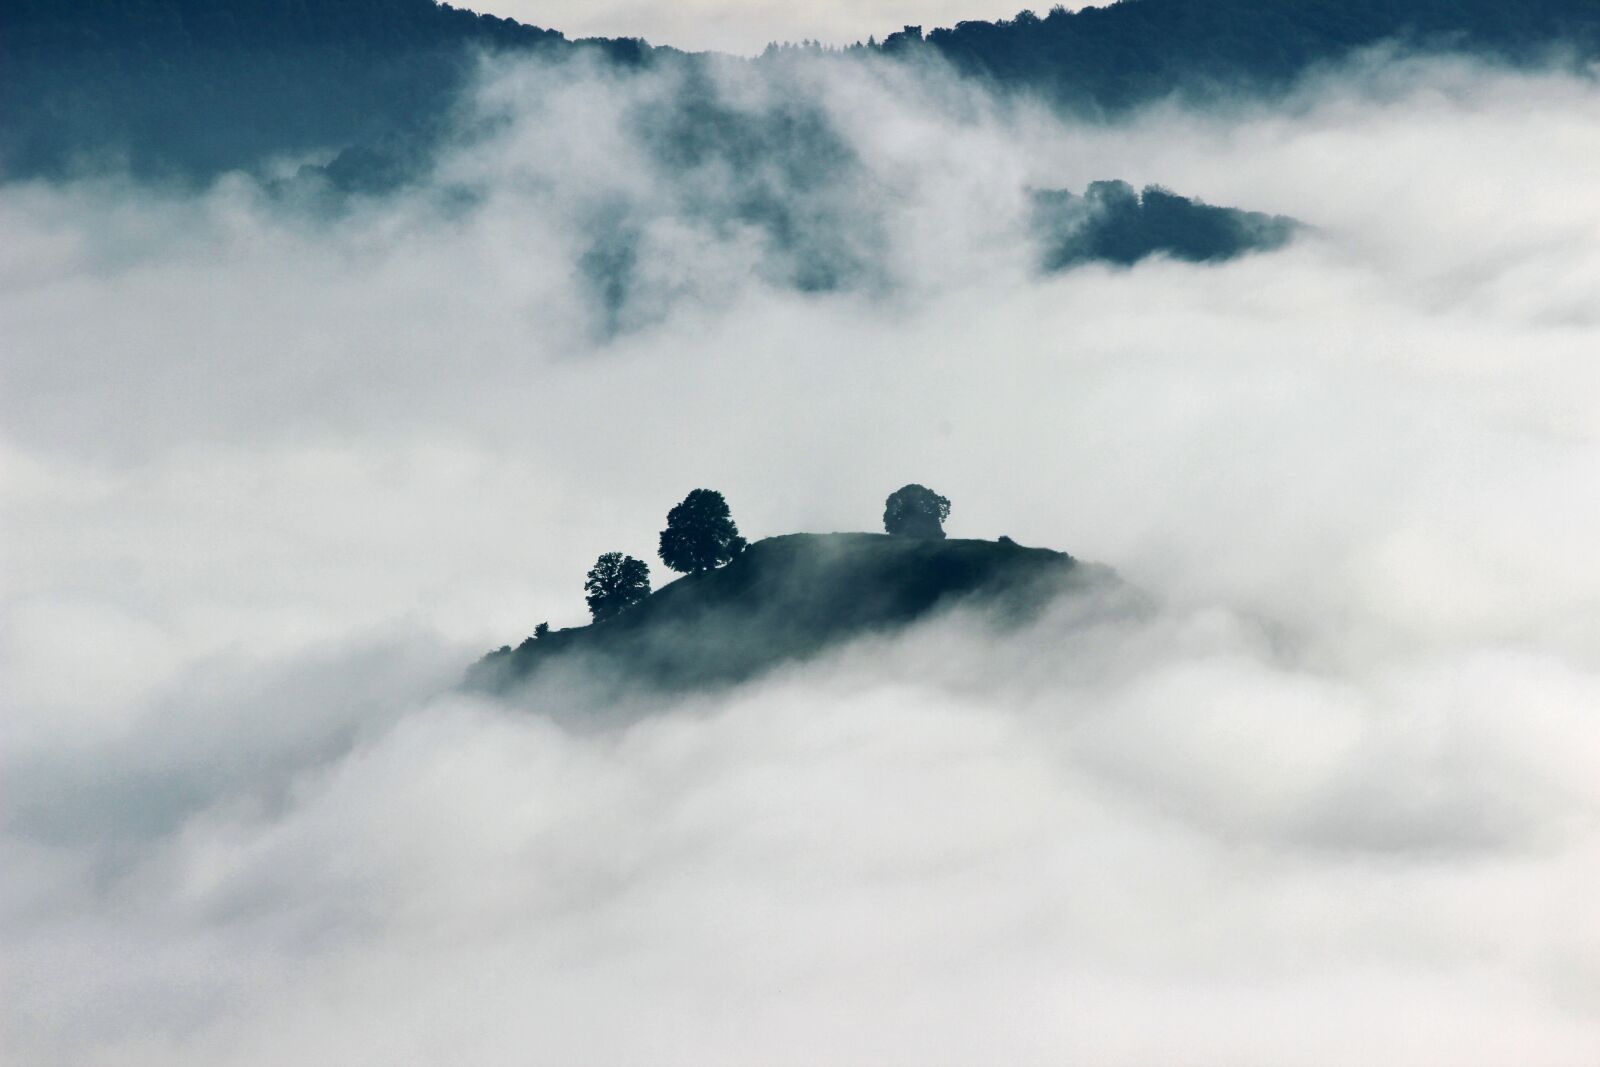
915	511
700	533
615	583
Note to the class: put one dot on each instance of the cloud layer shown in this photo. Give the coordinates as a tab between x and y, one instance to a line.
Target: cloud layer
274	475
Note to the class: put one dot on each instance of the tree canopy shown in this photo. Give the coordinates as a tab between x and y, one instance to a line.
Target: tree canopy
615	583
700	534
915	511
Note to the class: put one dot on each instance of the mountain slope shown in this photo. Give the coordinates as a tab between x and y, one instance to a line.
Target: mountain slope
190	88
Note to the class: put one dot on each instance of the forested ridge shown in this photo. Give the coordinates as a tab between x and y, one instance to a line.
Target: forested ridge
1106	58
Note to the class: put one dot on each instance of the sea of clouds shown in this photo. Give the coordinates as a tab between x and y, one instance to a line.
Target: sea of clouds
274	473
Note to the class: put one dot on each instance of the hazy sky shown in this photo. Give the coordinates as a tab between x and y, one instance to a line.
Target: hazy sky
271	480
746	26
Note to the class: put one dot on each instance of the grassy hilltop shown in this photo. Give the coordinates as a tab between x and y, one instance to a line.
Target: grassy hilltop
788	598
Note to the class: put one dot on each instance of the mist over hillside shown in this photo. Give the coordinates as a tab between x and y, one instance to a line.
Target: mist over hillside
302	410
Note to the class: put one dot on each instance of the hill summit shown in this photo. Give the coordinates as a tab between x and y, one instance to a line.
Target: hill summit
789	598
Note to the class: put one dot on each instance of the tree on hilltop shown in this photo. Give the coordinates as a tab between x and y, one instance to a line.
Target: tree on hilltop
915	511
700	533
615	583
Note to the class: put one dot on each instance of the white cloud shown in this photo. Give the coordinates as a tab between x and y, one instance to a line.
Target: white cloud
745	27
272	478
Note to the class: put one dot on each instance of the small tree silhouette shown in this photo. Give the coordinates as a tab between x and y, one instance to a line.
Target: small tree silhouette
915	511
615	583
700	533
541	631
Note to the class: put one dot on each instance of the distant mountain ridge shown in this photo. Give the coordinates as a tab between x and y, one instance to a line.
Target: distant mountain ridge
192	88
786	599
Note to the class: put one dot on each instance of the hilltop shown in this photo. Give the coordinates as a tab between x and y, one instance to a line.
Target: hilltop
788	598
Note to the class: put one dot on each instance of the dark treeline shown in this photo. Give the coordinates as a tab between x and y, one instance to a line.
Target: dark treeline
191	88
1105	59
